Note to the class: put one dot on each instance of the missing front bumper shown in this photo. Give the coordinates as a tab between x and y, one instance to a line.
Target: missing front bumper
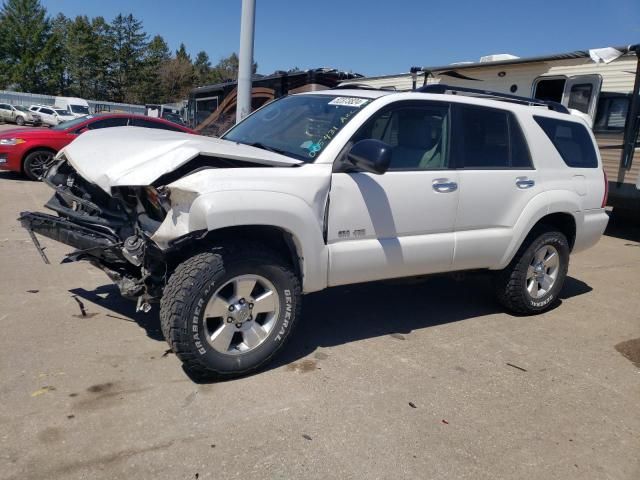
90	241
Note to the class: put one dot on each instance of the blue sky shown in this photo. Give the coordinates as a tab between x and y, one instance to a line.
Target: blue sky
377	37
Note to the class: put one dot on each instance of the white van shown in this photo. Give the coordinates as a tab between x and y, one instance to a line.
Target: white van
78	107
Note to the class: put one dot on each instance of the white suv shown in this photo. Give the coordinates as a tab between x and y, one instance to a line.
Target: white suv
50	115
323	189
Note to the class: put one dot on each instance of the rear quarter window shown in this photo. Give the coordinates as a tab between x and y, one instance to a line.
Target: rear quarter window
572	141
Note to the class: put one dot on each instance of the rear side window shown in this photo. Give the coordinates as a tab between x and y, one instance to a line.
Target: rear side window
572	141
490	138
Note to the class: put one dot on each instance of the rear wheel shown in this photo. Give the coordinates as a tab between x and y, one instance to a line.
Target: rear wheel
227	313
534	278
36	163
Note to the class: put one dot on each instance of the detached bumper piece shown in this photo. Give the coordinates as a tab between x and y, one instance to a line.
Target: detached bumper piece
88	241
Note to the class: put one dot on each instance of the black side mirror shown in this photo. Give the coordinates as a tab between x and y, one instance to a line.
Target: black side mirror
370	155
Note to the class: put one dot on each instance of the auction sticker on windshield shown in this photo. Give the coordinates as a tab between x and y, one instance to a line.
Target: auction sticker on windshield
349	101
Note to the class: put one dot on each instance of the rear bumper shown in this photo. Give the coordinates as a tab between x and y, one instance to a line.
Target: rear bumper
589	231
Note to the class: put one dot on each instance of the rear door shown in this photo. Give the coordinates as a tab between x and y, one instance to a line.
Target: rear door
5	112
496	179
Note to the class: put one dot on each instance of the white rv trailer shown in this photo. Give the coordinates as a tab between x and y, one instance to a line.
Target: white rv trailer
603	84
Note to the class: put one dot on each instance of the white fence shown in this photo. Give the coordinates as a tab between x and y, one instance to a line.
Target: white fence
26	99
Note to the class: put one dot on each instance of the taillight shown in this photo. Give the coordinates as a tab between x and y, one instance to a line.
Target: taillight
606	190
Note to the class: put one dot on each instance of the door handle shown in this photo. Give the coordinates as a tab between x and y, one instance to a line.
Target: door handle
524	182
443	185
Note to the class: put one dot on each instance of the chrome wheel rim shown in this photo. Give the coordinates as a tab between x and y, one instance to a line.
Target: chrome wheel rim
241	314
543	271
39	163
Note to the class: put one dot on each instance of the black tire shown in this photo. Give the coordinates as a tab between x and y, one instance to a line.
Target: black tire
33	165
189	290
511	283
20	121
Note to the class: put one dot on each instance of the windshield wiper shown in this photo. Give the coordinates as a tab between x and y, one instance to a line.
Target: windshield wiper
268	148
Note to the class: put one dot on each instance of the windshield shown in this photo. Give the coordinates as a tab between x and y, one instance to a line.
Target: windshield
300	126
80	109
21	108
71	123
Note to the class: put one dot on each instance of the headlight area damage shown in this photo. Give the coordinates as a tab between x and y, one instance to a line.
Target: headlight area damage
111	232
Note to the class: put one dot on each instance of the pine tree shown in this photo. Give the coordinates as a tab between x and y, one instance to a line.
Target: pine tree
151	87
128	43
202	67
26	30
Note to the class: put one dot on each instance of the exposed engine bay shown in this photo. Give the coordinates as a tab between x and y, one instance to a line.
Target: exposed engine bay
111	232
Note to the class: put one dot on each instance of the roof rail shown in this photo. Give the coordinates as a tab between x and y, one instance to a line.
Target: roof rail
442	88
361	86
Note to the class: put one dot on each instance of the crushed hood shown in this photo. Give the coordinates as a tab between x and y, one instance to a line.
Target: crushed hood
136	156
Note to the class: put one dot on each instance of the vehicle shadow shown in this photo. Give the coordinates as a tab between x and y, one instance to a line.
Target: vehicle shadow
122	309
356	312
623	227
7	175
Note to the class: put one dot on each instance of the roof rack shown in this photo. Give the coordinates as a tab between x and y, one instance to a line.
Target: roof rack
442	88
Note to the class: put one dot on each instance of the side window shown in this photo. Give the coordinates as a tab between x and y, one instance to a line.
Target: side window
490	138
611	114
4	106
580	96
108	122
141	122
417	133
46	111
572	140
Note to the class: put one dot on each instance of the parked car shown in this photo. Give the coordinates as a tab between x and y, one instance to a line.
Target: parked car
322	189
18	114
29	151
76	107
50	115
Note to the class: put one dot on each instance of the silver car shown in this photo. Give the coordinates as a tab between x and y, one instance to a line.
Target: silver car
18	114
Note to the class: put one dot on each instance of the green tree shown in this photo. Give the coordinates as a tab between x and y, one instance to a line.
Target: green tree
151	86
58	80
128	44
202	68
26	32
182	53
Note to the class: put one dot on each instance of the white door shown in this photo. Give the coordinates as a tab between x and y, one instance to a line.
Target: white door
399	223
496	181
581	93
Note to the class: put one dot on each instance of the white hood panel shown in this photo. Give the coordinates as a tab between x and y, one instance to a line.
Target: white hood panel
135	156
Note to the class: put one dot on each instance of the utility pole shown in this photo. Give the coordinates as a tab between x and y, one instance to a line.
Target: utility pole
245	59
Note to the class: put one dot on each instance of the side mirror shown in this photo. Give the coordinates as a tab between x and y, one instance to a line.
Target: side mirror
370	155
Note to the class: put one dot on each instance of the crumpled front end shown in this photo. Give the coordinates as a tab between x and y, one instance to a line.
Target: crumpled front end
112	232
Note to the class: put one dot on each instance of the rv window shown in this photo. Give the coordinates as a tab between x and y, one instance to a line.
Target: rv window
580	96
550	90
572	141
490	138
611	114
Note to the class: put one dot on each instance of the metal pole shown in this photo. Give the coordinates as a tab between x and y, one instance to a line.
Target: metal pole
245	59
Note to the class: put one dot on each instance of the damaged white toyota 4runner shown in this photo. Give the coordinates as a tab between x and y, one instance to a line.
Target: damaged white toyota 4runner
323	189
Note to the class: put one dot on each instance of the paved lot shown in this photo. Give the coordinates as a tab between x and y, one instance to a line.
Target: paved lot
424	379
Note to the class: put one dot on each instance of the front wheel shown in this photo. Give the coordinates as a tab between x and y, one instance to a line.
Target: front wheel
534	278
227	313
36	163
20	121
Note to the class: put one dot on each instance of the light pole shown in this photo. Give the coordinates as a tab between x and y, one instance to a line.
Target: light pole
245	59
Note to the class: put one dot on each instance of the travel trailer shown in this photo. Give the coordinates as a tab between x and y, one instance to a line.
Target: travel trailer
212	108
601	85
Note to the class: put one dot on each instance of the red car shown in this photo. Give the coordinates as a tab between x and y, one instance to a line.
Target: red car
29	150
